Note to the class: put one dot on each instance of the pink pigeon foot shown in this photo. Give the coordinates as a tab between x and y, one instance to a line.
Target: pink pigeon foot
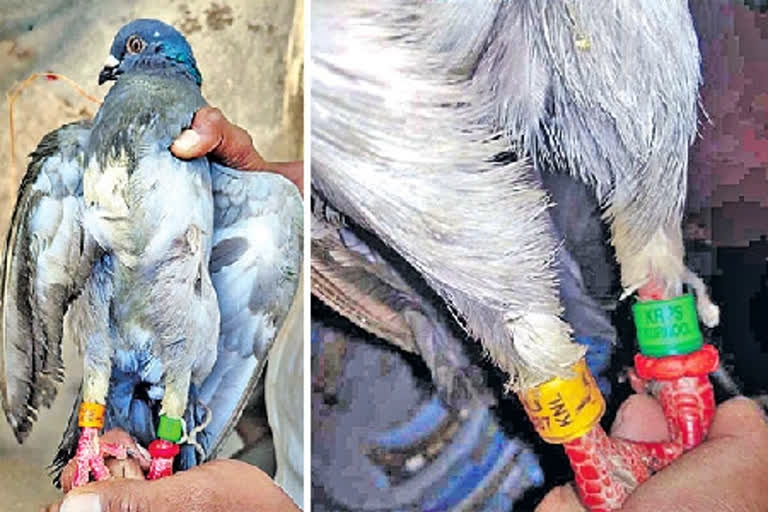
89	458
162	453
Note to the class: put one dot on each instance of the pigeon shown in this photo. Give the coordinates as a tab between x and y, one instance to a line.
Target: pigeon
172	277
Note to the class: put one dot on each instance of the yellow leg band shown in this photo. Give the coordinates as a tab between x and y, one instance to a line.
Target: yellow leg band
562	410
91	414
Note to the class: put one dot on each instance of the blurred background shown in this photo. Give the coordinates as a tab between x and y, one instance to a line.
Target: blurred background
250	53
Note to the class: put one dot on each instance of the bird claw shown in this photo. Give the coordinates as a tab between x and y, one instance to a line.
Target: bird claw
689	406
607	470
92	451
141	454
116	450
89	458
162	453
160	467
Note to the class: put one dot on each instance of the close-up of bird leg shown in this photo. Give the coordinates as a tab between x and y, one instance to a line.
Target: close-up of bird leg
87	319
544	76
676	365
607	470
655	270
670	322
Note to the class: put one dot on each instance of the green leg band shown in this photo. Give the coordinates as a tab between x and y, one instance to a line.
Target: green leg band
667	327
169	429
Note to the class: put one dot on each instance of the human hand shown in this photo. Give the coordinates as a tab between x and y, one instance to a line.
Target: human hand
212	134
217	486
725	472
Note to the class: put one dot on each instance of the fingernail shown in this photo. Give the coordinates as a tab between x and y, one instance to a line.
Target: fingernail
187	140
81	503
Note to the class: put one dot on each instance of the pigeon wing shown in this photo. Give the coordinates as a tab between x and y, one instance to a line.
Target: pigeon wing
46	261
255	267
358	284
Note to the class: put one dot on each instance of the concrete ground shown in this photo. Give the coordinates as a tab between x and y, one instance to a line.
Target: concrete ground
249	52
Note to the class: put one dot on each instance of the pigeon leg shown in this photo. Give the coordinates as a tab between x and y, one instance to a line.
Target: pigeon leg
567	411
674	364
667	327
169	429
89	457
607	470
673	359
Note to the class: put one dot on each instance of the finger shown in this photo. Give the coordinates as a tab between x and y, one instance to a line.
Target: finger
203	136
726	472
561	499
110	495
211	133
67	475
640	418
217	486
738	416
127	468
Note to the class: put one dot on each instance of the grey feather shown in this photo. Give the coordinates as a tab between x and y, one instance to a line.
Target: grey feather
481	238
609	92
256	257
360	287
47	259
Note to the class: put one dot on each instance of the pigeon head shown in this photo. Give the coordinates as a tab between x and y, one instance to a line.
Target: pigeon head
144	45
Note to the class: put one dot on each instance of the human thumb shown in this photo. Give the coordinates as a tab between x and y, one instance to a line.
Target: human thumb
640	418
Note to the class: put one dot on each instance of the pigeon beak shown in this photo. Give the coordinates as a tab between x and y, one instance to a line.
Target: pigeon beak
109	71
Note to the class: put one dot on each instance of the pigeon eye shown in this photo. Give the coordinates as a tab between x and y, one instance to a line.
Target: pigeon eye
135	44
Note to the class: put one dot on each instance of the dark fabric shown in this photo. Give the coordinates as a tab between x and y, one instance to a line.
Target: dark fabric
383	440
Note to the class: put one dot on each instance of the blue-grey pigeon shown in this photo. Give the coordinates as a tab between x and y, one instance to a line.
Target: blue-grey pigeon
173	277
